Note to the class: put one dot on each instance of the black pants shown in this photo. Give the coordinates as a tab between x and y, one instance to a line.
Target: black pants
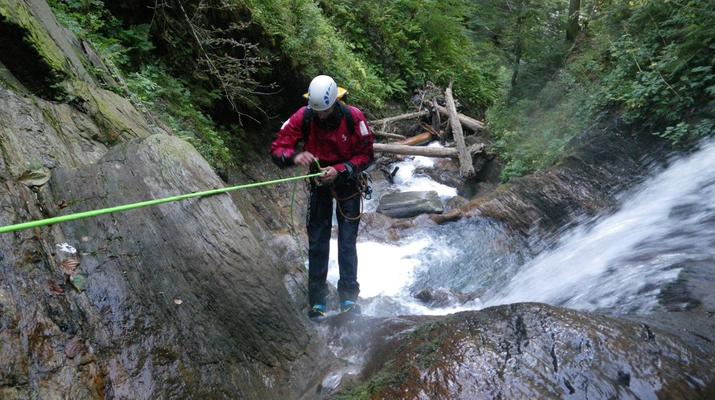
320	216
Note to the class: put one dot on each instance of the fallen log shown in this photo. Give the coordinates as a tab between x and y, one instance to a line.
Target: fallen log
436	121
440	152
422	138
443	152
466	169
469	122
389	135
386	121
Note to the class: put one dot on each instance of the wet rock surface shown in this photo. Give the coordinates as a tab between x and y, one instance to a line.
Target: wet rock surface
362	345
410	204
174	301
602	162
178	301
537	351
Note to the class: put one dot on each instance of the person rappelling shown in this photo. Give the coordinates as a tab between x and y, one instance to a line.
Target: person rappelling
338	142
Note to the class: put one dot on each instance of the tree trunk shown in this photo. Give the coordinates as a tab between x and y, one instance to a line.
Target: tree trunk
469	122
518	44
442	152
517	61
572	28
466	169
436	121
389	135
399	118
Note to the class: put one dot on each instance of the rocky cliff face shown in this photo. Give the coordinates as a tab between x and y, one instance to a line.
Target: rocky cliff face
178	301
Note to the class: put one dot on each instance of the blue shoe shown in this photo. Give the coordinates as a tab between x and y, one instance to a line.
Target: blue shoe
349	306
318	311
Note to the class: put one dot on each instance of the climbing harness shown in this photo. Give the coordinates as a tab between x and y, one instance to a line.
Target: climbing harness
364	190
148	203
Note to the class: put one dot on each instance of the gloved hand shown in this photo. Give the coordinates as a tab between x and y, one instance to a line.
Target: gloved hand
330	175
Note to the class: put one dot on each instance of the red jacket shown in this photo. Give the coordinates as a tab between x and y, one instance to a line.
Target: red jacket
330	147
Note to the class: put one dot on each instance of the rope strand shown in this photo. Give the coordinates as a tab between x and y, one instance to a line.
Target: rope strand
148	203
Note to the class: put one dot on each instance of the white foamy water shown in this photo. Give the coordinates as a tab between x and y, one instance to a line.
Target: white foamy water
383	269
623	260
618	262
408	179
386	273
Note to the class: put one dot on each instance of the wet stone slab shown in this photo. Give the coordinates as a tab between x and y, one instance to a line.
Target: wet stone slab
410	204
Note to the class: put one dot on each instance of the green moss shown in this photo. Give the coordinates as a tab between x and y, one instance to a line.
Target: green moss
422	350
16	13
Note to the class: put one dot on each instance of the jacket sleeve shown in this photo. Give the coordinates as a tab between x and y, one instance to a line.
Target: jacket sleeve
363	155
283	148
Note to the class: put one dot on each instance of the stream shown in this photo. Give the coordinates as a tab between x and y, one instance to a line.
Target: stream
616	263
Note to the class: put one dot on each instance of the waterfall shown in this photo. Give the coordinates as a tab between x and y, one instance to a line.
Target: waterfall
617	262
621	261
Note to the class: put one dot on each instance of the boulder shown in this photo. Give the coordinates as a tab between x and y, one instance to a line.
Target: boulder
529	351
410	204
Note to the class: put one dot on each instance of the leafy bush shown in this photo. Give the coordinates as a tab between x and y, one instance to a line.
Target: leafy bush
531	133
128	50
411	42
169	98
306	38
88	19
659	65
653	61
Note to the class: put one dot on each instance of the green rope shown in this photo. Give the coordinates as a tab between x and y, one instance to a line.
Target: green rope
148	203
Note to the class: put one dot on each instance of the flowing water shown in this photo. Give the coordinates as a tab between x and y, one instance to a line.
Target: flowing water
616	262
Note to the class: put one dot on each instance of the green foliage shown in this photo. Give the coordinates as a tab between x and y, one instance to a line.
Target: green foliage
526	35
684	132
543	105
89	20
306	38
532	132
652	61
411	42
128	51
172	101
659	64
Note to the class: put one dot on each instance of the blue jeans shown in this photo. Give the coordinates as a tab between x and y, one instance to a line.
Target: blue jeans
319	223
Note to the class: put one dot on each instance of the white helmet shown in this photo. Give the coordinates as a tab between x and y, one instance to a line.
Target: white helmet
322	93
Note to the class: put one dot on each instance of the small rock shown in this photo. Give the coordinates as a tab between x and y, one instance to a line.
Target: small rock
35	177
69	266
74	347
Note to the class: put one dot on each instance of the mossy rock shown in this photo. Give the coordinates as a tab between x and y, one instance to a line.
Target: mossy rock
115	115
531	350
48	65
